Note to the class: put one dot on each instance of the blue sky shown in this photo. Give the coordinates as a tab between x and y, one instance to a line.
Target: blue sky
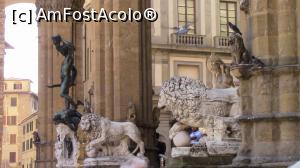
22	61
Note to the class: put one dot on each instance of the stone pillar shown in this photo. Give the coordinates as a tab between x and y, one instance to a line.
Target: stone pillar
132	64
50	61
270	98
123	68
2	53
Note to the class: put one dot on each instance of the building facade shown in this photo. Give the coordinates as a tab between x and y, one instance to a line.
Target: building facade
19	103
28	152
187	54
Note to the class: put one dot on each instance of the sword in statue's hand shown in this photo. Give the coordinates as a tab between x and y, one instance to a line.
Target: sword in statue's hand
57	85
54	86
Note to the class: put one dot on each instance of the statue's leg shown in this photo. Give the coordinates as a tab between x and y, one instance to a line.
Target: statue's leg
135	138
65	93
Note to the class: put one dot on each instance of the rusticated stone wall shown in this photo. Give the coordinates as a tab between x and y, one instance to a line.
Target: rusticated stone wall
270	98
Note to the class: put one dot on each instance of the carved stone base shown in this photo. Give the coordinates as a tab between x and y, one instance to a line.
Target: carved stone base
66	147
187	152
210	148
222	148
110	161
105	161
200	162
211	153
241	71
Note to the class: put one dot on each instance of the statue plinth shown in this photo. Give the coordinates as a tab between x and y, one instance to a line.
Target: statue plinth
241	71
106	161
206	149
108	143
66	147
206	154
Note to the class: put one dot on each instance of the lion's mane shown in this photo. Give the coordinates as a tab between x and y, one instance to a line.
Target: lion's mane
95	125
191	99
184	95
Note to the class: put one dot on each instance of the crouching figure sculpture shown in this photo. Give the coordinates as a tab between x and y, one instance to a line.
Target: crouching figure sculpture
108	139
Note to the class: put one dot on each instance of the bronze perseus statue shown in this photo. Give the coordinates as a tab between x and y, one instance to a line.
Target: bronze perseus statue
69	116
68	70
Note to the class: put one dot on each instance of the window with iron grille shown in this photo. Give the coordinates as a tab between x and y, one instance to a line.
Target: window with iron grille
186	14
228	13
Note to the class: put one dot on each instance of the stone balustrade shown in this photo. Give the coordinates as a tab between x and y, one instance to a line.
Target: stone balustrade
221	42
188	40
199	41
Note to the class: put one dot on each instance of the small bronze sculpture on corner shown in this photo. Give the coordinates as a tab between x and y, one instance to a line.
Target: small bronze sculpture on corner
242	61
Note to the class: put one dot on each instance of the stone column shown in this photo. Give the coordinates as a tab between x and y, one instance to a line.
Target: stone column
132	64
50	61
123	68
270	98
2	53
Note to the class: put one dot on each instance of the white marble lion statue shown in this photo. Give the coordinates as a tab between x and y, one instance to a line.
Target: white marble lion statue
108	138
193	104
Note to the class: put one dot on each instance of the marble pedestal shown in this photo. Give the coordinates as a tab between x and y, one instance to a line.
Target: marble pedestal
112	161
210	154
108	161
66	147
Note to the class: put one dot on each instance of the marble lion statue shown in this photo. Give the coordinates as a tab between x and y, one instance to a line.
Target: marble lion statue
108	138
193	104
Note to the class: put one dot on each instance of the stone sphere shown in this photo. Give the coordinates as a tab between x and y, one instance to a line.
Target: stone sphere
182	139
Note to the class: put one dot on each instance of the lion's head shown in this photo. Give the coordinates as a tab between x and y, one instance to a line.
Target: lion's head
93	125
179	94
89	122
